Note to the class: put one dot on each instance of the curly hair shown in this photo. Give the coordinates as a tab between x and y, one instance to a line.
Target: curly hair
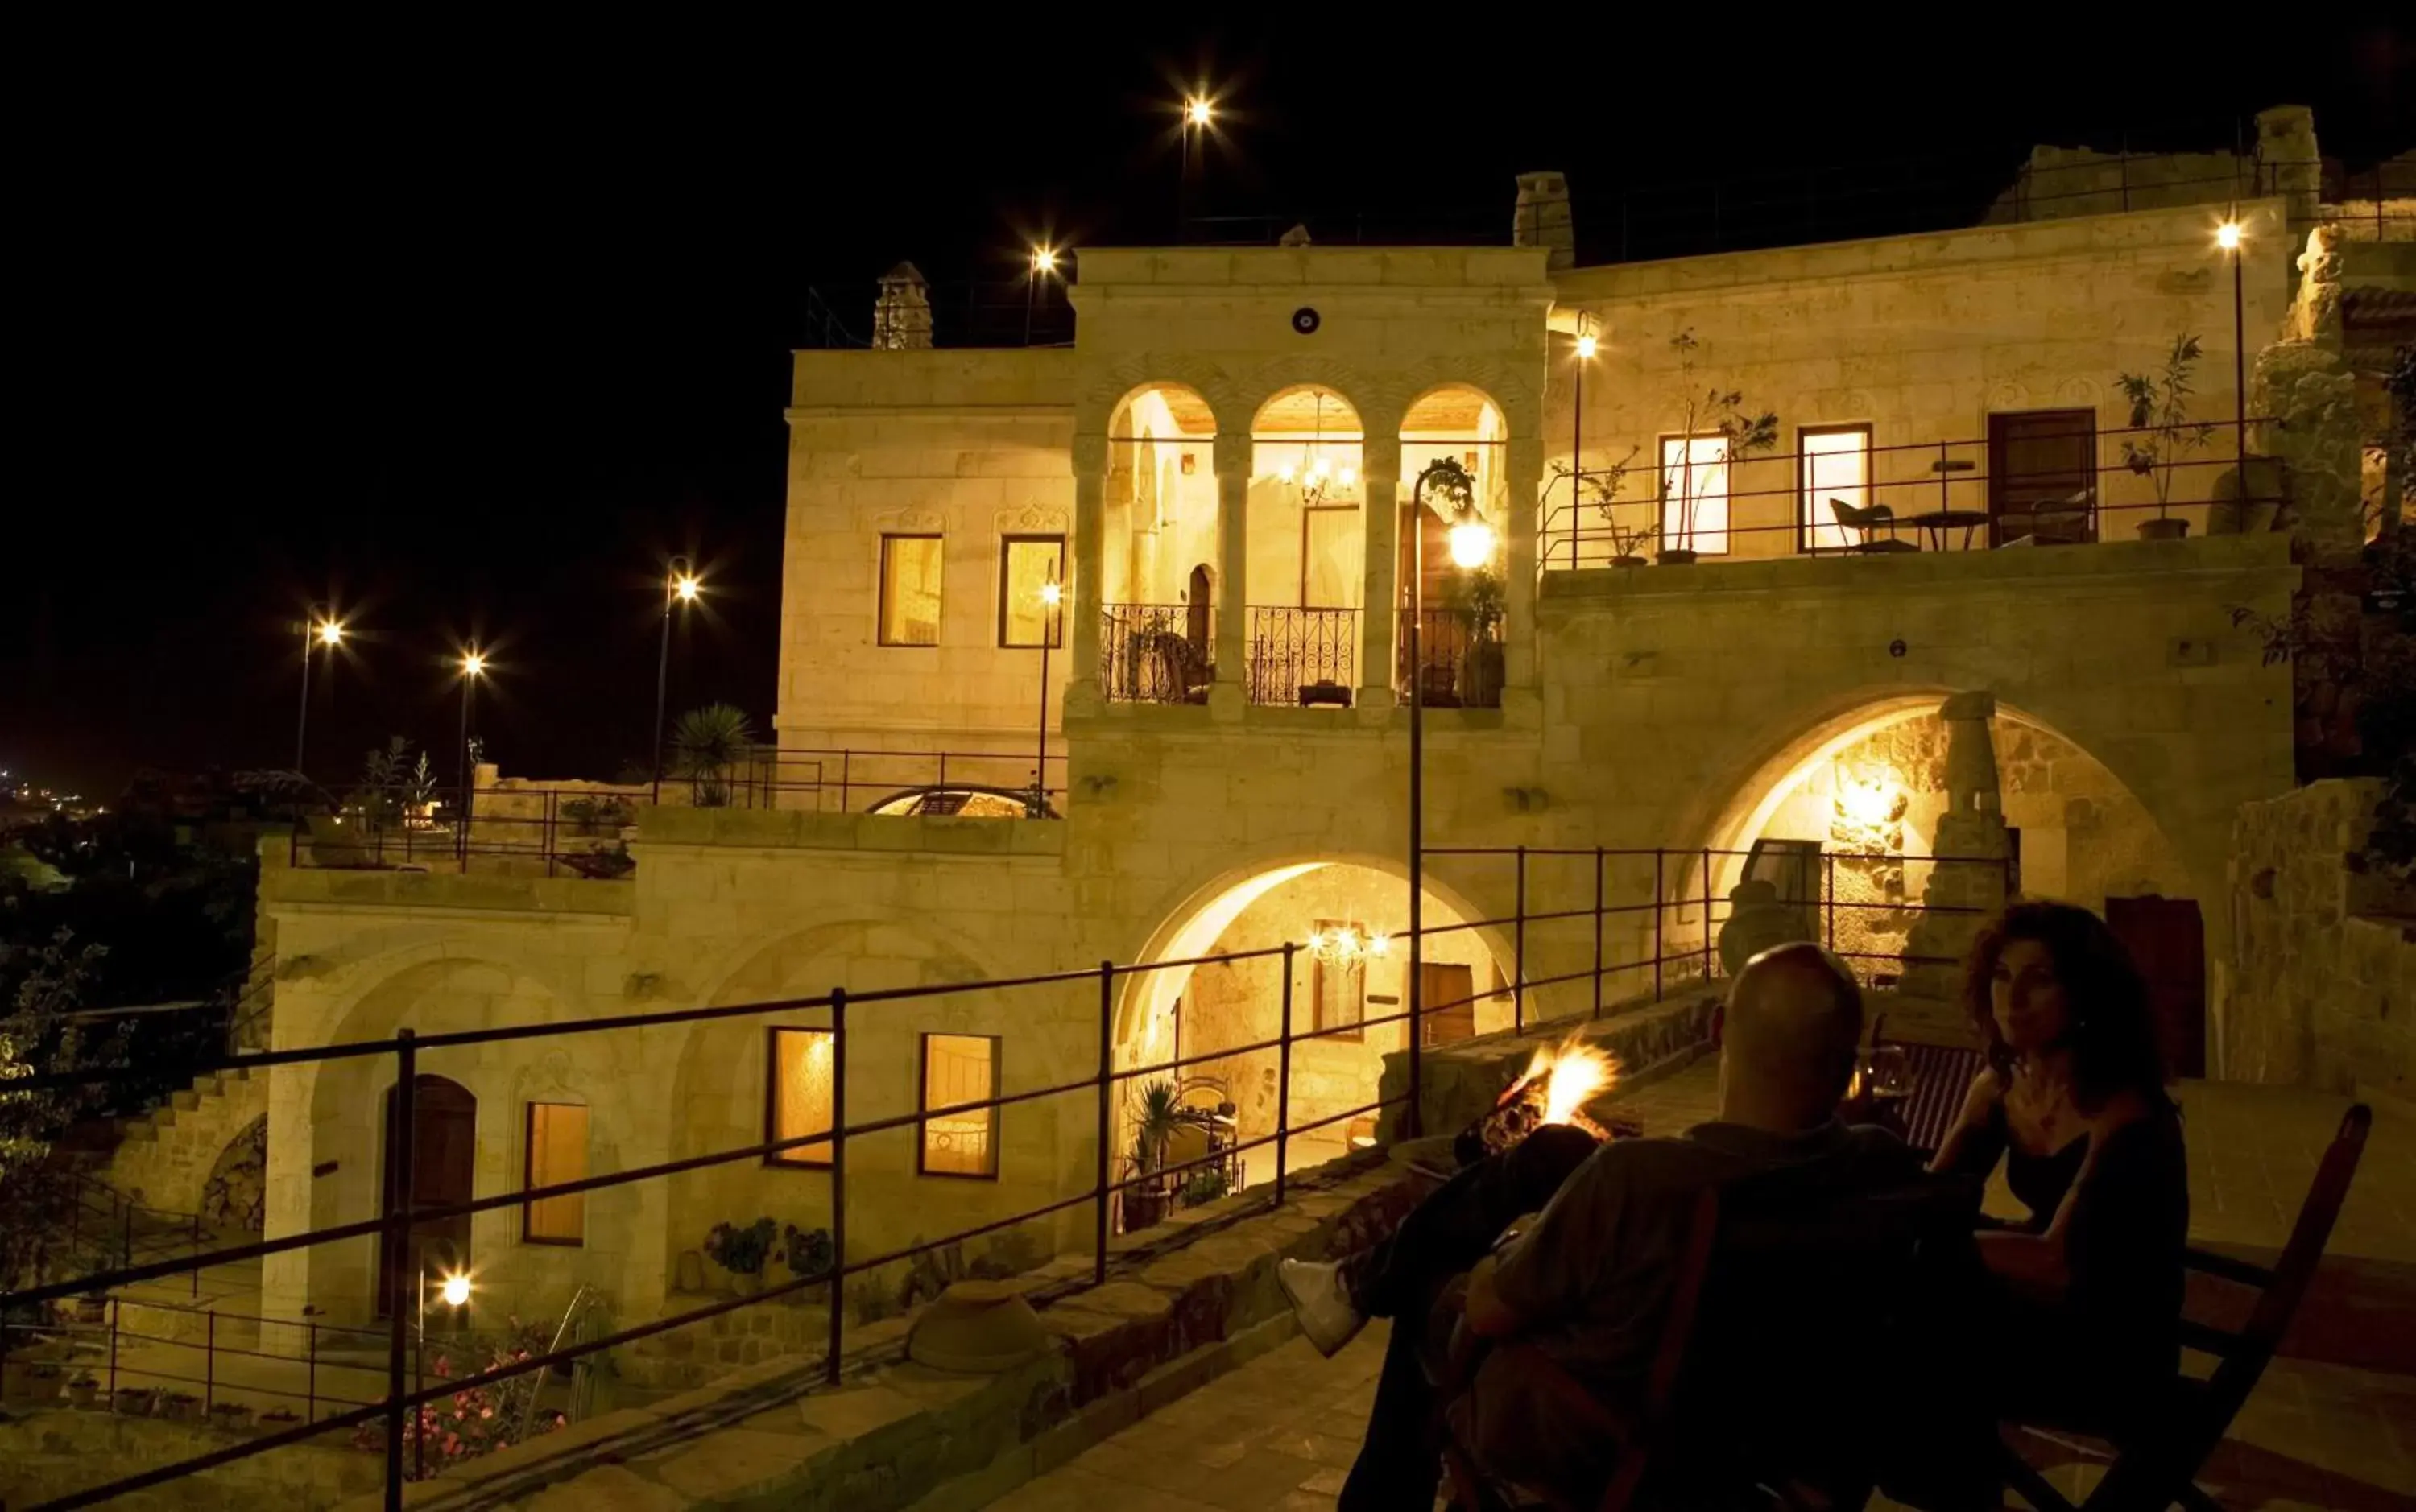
2112	1033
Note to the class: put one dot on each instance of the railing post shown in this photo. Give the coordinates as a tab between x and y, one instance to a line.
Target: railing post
1707	914
1517	952
112	1353
1659	856
838	1179
397	1238
1107	1117
209	1361
1833	900
844	756
1597	931
197	1249
310	1373
1283	1075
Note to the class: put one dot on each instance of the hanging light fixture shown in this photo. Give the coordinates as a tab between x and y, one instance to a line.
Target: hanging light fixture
1343	945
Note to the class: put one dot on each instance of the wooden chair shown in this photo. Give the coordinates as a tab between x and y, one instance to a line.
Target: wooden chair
2159	1466
1777	1283
1942	1078
1867	521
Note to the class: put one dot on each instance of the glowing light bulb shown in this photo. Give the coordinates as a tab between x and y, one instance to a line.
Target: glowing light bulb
1350	477
1044	260
1472	542
472	664
456	1291
1050	594
2227	236
330	632
685	587
1197	112
1585	347
1284	473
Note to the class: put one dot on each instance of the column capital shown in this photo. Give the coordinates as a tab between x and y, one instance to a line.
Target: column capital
1090	451
1379	459
1231	454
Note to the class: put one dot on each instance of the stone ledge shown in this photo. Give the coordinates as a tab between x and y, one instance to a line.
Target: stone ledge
810	829
1186	1303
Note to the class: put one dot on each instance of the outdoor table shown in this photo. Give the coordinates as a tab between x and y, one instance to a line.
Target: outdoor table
1939	522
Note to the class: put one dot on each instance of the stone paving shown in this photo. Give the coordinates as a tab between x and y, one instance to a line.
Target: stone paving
1281	1431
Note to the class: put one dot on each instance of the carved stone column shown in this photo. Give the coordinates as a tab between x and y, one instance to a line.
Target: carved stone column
1232	454
1380	617
1967	881
1525	477
1090	552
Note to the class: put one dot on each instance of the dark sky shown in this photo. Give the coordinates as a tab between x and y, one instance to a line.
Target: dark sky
469	331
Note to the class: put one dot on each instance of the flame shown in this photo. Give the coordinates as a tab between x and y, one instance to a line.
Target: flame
1574	1074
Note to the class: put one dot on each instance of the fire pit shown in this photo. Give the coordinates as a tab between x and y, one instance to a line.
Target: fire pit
1558	1081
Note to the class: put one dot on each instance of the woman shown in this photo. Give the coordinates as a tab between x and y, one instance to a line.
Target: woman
2072	1101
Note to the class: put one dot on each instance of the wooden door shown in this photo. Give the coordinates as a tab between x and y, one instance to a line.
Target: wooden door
1197	630
1447	1002
2168	938
444	1172
2043	475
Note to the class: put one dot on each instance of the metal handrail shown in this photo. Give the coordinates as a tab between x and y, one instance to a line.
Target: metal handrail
1691	966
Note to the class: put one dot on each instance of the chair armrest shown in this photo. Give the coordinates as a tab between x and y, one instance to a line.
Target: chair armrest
2209	1339
2223	1266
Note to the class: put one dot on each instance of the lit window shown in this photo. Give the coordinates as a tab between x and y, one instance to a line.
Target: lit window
557	1152
910	591
1027	566
1338	991
959	1069
1835	465
1695	493
801	1094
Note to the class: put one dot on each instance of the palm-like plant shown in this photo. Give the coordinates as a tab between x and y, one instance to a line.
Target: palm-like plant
705	743
2160	407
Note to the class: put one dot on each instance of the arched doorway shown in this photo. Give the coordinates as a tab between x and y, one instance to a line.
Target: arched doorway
1345	1000
1159	525
1461	608
1307	546
444	1173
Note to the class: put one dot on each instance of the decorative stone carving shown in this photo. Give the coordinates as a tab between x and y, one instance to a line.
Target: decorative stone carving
1967	882
1544	219
1032	519
902	313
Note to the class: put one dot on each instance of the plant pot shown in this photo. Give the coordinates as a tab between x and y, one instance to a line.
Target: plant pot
230	1416
91	1309
1625	559
82	1393
134	1402
746	1284
1142	1208
1678	555
1481	676
2163	530
179	1407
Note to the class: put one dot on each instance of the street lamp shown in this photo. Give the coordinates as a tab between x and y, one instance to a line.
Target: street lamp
1471	540
454	1292
474	663
681	587
1199	111
1044	263
320	627
1052	594
1586	346
2226	236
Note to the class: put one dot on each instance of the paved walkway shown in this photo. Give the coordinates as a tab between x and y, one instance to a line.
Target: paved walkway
1281	1431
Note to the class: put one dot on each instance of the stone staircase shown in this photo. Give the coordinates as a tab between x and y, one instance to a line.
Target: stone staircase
167	1158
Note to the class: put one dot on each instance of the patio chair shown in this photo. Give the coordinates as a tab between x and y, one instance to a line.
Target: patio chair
1867	521
1942	1078
2158	1466
2070	520
1778	1284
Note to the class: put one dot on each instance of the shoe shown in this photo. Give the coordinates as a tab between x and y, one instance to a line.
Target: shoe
1320	1302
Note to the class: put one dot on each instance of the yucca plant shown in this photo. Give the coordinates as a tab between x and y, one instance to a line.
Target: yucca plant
2160	404
705	745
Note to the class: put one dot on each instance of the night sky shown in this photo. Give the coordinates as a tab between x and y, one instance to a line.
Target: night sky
469	332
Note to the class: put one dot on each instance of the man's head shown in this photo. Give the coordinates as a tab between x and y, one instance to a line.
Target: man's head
1794	1019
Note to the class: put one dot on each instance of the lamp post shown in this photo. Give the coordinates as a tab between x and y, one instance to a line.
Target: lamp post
1585	349
1052	594
454	1294
473	663
679	588
2226	236
1471	545
1043	262
319	627
1198	112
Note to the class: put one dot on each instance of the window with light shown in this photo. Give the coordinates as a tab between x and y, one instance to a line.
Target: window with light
556	1152
1834	463
959	1069
1695	493
800	1095
909	589
1027	566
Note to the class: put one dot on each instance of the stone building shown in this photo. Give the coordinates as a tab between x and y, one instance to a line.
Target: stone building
1221	471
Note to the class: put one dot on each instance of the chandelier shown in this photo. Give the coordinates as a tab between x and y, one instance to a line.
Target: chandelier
1313	474
1343	945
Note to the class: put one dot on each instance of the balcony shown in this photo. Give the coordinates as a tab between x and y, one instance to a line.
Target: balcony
1156	654
1303	657
1457	668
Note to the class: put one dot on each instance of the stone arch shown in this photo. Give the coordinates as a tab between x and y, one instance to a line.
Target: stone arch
1373	402
235	1194
1106	394
1158	502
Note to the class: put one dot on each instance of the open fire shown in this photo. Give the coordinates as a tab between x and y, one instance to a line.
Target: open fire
1553	1089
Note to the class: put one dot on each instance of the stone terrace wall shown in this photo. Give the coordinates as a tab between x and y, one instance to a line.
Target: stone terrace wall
2320	988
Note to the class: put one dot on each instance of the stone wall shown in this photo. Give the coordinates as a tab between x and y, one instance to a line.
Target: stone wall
45	1455
195	1143
2319	989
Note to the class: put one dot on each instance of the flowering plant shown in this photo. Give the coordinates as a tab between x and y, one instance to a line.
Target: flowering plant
474	1421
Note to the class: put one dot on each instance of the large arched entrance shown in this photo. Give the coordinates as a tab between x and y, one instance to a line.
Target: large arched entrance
1345	988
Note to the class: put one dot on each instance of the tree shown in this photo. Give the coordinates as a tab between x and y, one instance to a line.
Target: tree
705	745
1720	412
2160	408
39	1033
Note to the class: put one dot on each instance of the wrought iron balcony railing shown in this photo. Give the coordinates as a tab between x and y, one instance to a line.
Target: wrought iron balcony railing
1156	654
1456	667
1303	657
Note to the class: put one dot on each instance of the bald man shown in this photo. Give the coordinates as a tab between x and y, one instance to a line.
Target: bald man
1588	1283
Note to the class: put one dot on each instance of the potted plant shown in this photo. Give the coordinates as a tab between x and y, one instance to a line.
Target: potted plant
134	1402
1627	546
2160	410
705	745
82	1389
1476	594
742	1252
807	1252
1706	412
1154	1115
230	1416
1602	489
92	1308
179	1407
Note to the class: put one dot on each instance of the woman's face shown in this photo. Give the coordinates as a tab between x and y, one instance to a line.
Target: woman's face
2027	1001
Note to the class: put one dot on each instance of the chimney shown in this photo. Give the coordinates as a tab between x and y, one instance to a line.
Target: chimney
902	315
1542	219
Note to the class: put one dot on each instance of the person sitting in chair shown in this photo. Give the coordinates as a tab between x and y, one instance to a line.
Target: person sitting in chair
1590	1281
